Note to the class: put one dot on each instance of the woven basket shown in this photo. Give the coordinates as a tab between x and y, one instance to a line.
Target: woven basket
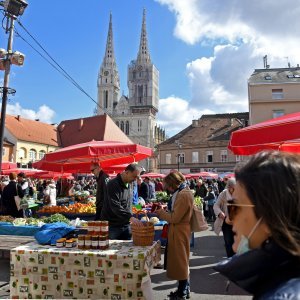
143	235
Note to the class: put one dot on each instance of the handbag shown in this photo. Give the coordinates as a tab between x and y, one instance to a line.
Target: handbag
198	222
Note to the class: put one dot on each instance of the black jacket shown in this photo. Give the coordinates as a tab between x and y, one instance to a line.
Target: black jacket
143	191
8	199
268	273
117	202
102	180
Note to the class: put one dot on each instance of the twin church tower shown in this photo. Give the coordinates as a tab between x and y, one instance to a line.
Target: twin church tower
135	114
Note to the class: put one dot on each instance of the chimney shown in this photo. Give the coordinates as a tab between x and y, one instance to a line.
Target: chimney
195	123
18	117
37	120
80	124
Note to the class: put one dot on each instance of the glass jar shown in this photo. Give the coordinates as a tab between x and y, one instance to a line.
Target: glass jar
102	241
104	227
80	243
60	243
69	243
95	243
88	242
90	227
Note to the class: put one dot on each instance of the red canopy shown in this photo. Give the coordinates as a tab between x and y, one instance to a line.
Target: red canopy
78	158
27	172
202	174
153	175
8	165
54	175
281	133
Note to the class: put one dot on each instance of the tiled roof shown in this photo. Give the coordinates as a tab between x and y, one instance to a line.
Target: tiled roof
98	128
31	130
210	130
278	75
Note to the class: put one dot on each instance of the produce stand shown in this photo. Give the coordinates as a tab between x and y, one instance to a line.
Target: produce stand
86	217
10	229
121	272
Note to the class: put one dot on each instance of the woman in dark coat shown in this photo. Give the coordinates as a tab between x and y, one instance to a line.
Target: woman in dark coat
265	213
8	196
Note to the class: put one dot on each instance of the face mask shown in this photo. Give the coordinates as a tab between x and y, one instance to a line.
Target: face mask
244	242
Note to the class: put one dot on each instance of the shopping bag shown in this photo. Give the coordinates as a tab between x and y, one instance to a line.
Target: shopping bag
198	222
18	202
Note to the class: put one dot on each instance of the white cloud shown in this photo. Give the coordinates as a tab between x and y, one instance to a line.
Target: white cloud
175	114
44	113
241	33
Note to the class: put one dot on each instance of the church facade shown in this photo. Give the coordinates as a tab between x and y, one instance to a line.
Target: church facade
134	114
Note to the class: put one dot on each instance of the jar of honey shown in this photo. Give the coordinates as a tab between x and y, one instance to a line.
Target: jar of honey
90	227
95	242
102	242
80	241
88	242
104	227
60	243
69	243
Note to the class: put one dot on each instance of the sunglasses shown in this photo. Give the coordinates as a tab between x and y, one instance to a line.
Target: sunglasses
233	208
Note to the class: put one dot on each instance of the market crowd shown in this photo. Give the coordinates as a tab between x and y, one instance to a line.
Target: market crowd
258	213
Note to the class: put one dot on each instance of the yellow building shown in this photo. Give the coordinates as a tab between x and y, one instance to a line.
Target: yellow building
28	140
273	93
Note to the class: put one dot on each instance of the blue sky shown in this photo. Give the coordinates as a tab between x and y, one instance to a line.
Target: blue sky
204	50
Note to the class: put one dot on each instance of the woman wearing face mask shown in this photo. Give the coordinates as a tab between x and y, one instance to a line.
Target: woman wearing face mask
265	212
178	246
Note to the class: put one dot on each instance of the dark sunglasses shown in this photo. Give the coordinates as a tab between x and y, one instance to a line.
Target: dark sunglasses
233	208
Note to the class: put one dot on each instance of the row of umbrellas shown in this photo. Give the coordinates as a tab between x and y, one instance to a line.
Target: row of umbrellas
282	133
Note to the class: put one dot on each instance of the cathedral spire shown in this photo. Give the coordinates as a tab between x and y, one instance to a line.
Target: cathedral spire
109	58
144	55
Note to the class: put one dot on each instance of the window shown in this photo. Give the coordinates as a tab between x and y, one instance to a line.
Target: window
238	158
3	151
168	158
209	156
223	155
22	153
127	127
195	157
41	154
105	99
140	93
32	155
277	94
278	113
122	126
118	124
180	158
139	125
268	77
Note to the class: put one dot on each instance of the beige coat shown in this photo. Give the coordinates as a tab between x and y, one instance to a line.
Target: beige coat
179	235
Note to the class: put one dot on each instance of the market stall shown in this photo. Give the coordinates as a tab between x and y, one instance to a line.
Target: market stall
121	272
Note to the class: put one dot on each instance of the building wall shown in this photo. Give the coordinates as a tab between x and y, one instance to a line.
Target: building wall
262	106
28	146
217	165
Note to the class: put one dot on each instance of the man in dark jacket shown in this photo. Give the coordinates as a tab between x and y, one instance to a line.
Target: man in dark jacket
118	202
102	179
143	189
8	196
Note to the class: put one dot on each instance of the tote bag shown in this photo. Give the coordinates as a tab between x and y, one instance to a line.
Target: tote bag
198	222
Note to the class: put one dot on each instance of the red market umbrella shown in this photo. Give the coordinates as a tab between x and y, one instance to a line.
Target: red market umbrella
8	165
202	174
281	134
53	175
153	175
115	169
27	172
78	158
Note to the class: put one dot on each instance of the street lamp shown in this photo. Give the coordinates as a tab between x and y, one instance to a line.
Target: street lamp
12	9
179	145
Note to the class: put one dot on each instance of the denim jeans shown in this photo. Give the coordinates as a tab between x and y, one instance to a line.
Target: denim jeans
120	232
228	238
183	287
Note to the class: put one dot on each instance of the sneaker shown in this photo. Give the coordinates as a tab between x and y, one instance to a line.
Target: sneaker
175	296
